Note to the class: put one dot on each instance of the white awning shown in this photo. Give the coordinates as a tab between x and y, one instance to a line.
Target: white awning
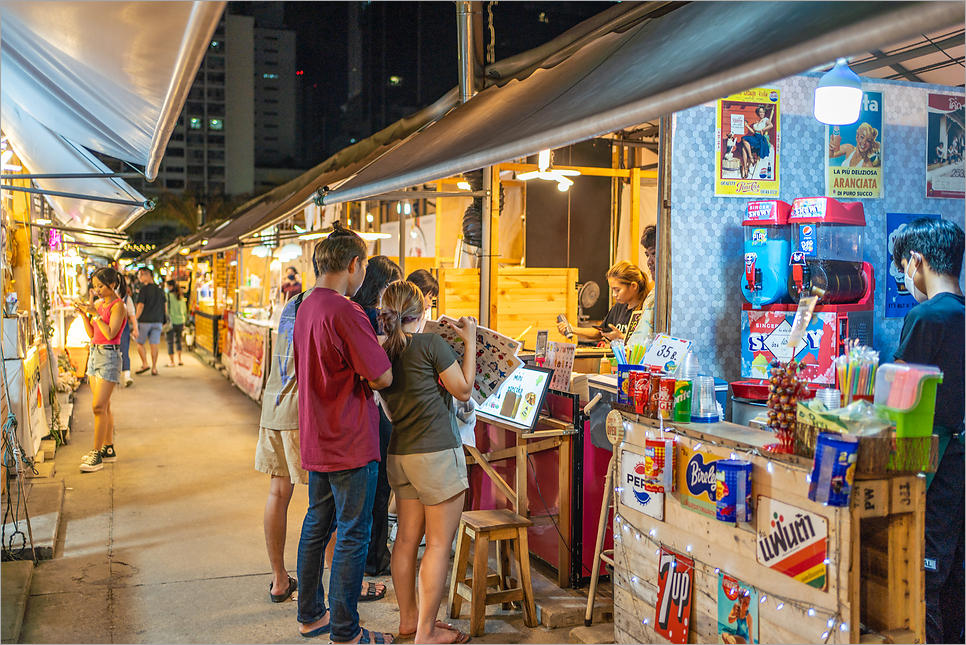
110	76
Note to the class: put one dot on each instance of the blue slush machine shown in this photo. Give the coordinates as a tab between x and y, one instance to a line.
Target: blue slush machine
767	252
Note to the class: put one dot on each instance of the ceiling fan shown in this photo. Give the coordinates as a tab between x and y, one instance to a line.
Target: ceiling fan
562	177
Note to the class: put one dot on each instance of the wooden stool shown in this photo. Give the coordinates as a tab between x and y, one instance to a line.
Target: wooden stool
509	531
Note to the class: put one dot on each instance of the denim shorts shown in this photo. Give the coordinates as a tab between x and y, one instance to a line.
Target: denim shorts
149	333
104	362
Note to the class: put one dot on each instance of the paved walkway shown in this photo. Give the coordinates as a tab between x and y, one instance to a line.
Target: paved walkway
166	545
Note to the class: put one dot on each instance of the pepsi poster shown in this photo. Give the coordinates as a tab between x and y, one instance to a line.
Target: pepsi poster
675	584
853	163
697	480
633	494
898	300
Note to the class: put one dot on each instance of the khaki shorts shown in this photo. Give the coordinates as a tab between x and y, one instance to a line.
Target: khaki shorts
277	453
430	477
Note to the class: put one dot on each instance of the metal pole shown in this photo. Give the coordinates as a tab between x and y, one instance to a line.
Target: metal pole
67	229
146	205
76	175
486	264
662	281
464	26
402	239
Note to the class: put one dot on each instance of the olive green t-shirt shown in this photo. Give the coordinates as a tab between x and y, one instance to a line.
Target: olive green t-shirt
422	413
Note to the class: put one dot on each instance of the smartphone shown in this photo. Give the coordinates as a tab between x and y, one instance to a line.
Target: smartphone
602	329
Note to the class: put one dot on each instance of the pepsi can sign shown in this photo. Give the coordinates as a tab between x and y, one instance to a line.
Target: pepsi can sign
632	485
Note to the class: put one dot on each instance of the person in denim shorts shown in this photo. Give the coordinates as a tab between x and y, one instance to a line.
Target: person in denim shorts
104	320
150	313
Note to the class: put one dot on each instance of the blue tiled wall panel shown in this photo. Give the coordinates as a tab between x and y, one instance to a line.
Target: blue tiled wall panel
706	235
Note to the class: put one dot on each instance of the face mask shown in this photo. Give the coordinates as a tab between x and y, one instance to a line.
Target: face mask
911	283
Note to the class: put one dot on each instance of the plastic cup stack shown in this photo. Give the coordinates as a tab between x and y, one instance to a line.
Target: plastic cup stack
704	408
830	398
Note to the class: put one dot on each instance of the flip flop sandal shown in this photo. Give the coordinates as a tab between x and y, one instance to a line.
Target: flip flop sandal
142	370
371	594
374	637
411	635
324	629
293	586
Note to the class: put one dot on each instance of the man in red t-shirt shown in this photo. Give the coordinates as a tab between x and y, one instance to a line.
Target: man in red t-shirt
338	362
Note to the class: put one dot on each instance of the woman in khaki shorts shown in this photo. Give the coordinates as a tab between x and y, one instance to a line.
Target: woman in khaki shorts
426	467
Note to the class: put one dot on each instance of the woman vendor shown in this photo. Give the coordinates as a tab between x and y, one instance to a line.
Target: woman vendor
627	284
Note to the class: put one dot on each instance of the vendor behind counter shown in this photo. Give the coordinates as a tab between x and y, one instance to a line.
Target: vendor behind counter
627	283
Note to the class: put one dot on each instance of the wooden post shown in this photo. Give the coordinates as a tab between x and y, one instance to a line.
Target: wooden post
635	227
662	281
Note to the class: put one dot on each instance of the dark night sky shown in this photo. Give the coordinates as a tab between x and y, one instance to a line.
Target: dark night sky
410	31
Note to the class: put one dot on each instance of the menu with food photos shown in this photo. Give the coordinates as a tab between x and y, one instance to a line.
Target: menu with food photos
496	355
520	398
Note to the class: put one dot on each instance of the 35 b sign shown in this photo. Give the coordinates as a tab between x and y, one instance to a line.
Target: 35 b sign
675	585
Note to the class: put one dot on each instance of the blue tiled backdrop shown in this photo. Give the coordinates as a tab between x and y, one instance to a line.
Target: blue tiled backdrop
706	235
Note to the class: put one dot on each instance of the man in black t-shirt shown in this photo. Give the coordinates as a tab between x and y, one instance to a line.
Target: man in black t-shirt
150	314
929	251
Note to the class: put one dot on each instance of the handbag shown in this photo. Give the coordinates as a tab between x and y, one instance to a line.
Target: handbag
167	326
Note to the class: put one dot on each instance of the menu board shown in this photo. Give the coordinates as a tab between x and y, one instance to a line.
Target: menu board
519	399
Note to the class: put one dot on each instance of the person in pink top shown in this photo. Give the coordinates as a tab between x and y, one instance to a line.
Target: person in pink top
104	320
338	363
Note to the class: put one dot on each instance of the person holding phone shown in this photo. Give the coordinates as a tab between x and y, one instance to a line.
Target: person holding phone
628	286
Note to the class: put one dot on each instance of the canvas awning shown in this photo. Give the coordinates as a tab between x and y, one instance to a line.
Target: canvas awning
696	53
108	76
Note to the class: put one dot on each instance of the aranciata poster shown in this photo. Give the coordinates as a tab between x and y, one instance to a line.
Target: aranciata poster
747	144
853	163
945	143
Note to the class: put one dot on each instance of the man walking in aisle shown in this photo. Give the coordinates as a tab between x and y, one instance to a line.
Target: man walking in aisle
338	362
150	314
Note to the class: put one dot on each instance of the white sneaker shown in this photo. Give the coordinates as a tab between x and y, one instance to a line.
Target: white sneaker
128	381
392	531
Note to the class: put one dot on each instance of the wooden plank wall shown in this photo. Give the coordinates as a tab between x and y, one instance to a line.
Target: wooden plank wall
715	544
526	297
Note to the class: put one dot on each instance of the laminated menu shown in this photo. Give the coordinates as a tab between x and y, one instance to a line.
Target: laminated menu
496	355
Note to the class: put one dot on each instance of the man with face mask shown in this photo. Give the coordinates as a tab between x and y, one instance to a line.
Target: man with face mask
929	251
292	286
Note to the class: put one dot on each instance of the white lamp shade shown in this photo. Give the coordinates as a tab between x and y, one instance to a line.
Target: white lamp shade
836	105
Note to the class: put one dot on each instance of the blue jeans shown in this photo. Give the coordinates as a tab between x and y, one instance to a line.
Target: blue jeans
338	500
125	346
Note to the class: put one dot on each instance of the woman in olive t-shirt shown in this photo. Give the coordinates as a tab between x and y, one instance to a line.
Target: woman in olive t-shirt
426	467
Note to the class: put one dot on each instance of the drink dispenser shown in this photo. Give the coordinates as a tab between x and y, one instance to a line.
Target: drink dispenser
767	250
827	246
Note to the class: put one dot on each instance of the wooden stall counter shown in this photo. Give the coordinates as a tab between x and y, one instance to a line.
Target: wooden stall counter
812	572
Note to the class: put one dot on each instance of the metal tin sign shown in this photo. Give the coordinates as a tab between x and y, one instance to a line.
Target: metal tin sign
675	577
793	541
697	480
634	494
764	336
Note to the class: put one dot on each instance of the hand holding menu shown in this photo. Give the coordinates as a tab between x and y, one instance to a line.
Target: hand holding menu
496	355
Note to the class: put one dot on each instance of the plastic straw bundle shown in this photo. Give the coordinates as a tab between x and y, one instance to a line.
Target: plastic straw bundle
855	372
617	346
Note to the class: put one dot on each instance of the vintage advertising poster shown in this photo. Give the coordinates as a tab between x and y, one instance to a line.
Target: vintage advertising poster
697	480
764	336
853	164
792	541
737	611
747	144
675	577
249	349
898	300
945	143
633	492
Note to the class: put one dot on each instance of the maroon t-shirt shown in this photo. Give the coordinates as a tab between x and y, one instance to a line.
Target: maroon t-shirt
336	353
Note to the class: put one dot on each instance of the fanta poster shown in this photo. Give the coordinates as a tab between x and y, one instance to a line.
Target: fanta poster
945	146
747	144
675	585
764	337
898	300
853	165
737	611
697	480
792	541
633	493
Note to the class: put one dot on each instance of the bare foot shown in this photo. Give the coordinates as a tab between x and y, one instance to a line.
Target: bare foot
443	636
308	627
411	631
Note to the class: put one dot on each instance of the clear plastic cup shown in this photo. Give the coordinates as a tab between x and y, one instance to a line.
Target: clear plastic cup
830	398
704	407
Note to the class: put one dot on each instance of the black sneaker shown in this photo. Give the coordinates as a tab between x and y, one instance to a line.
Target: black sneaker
108	456
92	462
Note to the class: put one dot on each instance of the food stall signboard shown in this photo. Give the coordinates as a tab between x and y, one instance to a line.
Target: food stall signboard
697	479
248	351
633	493
793	541
675	577
764	338
666	352
737	611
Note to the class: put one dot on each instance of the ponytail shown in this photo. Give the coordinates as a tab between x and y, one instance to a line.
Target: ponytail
401	304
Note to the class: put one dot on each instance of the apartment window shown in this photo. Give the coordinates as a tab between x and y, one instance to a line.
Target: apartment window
216	124
269	75
195	139
174	183
194	123
215	62
175	152
271	125
216	155
270	100
177	136
269	88
270	63
216	77
216	93
196	94
216	139
174	169
216	109
216	187
270	113
196	170
270	51
196	186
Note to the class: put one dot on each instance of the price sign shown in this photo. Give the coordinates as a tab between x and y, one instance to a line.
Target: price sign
666	352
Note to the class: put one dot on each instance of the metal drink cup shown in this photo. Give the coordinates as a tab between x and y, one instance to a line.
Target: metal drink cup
833	472
654	403
666	397
659	463
682	402
640	388
733	490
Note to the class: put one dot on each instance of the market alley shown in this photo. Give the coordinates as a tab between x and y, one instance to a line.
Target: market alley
166	545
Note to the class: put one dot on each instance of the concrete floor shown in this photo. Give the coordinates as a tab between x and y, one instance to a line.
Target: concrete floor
166	545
